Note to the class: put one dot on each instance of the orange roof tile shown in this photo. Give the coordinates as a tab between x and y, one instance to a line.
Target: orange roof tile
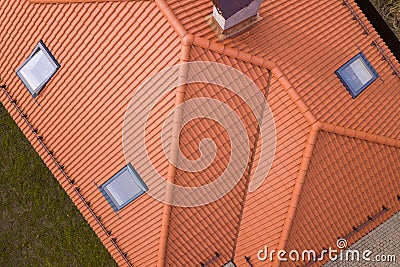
107	50
211	228
266	208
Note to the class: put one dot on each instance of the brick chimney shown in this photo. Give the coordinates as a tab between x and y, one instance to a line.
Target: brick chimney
231	13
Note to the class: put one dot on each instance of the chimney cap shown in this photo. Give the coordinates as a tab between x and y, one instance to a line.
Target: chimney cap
228	8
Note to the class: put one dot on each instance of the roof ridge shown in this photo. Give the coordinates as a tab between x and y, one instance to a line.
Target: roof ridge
190	39
294	95
298	187
194	40
374	138
171	175
179	98
315	125
229	51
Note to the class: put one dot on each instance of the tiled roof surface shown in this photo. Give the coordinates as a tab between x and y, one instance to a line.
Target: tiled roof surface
211	228
348	181
266	208
309	41
106	50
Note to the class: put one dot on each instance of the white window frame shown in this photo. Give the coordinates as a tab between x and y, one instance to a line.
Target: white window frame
41	47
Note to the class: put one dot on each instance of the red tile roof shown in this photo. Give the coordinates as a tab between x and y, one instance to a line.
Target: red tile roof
107	50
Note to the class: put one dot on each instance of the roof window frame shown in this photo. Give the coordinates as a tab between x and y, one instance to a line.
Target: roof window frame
136	178
354	92
41	46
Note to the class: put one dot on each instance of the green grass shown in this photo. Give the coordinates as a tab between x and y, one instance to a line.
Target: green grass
390	11
39	224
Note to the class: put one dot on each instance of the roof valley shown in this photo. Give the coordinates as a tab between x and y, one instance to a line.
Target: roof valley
252	159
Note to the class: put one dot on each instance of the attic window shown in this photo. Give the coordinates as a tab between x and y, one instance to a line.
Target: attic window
123	188
357	74
38	69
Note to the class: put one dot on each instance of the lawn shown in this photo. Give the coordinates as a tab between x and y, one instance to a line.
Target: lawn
40	226
390	11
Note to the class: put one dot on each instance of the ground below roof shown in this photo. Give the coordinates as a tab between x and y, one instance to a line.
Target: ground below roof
390	11
40	226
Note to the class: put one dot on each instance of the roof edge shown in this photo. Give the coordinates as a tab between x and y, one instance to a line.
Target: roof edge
305	163
73	187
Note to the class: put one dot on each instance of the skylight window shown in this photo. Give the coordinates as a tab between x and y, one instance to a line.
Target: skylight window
123	188
38	69
357	74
